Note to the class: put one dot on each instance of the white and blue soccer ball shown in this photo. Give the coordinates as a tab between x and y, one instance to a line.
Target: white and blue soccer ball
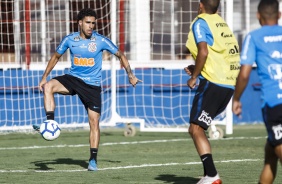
50	130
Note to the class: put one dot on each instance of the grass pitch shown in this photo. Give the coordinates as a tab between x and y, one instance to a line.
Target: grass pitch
147	158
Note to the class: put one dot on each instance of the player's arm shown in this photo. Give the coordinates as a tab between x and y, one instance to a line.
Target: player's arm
248	56
51	64
199	63
200	59
241	83
124	62
200	30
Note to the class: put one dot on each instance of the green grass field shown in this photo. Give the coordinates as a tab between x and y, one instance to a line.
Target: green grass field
149	158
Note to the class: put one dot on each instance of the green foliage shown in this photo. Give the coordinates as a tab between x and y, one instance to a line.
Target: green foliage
145	158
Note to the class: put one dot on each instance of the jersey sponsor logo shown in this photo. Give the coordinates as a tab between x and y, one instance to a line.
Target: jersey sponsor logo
84	61
92	47
234	50
204	117
93	38
85	78
279	96
277	38
224	35
83	46
275	72
198	31
276	55
234	67
221	25
76	38
231	78
277	130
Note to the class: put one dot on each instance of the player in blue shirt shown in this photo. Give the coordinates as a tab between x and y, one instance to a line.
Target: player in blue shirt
264	47
84	79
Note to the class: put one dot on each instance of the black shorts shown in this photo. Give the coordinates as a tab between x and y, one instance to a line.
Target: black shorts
272	117
209	101
89	95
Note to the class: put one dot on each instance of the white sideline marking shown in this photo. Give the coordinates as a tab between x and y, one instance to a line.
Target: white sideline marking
125	167
121	143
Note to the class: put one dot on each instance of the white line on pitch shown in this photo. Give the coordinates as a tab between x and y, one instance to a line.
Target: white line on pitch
127	167
120	143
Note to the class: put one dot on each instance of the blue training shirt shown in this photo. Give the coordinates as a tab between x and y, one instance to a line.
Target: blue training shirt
264	47
86	55
202	32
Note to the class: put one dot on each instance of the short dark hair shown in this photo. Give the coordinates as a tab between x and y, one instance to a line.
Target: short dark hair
269	9
85	13
211	6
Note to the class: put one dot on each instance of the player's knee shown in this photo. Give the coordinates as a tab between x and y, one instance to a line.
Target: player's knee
94	123
48	88
278	151
194	129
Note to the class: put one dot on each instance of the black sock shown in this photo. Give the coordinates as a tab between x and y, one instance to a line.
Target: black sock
93	154
50	115
209	168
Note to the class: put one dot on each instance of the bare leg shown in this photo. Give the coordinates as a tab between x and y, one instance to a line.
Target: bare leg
50	88
94	135
200	139
270	165
278	152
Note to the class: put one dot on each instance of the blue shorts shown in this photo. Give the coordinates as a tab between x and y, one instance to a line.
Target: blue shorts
272	117
89	95
209	101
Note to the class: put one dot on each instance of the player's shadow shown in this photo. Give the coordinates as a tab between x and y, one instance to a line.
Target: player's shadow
173	179
46	164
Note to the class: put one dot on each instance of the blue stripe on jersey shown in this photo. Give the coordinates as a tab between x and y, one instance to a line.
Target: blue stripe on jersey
87	55
264	47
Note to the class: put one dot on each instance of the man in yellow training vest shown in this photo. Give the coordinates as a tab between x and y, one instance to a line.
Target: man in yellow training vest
216	53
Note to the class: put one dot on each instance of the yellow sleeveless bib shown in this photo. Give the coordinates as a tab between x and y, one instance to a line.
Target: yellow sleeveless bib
223	61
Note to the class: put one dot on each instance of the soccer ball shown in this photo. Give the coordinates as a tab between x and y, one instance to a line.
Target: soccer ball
50	130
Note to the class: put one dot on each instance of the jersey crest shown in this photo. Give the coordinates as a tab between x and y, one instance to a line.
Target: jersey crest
92	47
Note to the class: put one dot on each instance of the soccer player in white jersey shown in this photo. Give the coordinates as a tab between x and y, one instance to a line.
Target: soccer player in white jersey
84	78
264	47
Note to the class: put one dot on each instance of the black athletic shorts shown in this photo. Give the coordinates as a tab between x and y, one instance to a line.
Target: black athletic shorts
209	101
89	95
272	117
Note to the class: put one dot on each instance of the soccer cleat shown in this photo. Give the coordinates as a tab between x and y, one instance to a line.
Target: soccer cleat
210	180
92	165
36	128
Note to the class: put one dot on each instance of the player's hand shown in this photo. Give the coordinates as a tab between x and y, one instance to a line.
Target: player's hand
192	82
189	69
134	80
237	108
42	83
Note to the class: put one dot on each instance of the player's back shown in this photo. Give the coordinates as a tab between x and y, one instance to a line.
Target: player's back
268	42
268	46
